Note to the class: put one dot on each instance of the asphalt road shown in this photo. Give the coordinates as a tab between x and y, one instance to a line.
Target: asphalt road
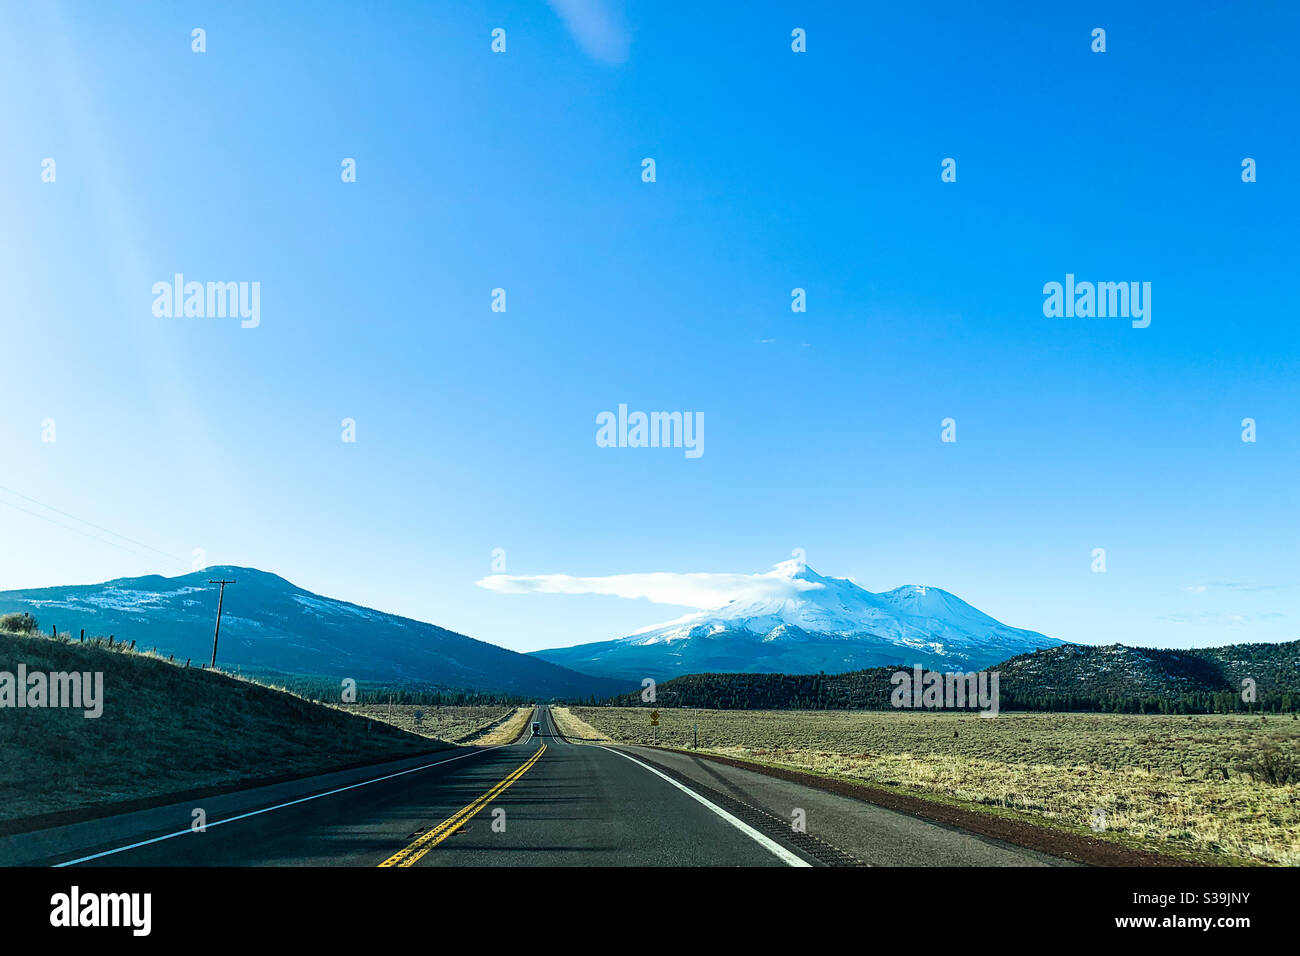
542	801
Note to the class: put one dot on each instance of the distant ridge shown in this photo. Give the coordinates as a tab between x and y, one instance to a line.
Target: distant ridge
1070	677
272	626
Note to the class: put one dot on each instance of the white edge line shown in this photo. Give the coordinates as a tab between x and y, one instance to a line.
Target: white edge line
280	806
525	735
555	729
766	842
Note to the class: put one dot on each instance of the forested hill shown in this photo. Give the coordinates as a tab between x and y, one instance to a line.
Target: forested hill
1069	677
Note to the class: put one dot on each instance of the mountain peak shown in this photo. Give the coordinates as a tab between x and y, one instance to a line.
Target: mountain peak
201	577
799	621
795	569
236	571
929	601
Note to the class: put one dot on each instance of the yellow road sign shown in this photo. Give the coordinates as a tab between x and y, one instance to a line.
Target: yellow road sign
654	718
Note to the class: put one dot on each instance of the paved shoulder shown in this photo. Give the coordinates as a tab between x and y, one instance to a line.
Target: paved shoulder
840	826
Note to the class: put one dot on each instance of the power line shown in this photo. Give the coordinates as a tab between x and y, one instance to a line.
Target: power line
175	562
91	524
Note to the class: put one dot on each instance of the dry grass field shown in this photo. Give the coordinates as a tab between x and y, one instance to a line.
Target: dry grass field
1197	786
450	724
166	729
505	731
575	728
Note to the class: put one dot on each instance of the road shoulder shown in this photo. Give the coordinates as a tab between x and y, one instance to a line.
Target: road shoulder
1051	846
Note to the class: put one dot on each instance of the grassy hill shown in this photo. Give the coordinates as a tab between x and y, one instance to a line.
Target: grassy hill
1113	678
165	729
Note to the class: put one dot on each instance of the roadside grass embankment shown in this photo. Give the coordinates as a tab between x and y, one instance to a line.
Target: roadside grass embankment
165	730
506	731
575	728
451	724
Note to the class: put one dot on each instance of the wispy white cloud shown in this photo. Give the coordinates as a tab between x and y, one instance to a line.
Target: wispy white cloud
597	26
1210	618
700	590
1244	586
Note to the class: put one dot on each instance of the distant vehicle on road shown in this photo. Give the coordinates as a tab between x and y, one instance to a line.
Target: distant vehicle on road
537	728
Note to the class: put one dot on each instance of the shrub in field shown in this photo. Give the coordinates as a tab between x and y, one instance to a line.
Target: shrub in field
18	623
1271	766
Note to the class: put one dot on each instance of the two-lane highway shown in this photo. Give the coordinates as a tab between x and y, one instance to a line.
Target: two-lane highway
591	806
540	801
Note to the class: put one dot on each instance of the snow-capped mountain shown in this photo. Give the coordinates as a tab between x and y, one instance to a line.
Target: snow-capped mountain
809	623
268	625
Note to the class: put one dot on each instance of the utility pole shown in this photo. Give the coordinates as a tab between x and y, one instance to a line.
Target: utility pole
221	596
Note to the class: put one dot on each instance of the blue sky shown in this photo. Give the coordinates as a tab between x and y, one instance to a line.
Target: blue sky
775	170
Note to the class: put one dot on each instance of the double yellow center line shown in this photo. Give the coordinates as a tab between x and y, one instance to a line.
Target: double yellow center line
427	841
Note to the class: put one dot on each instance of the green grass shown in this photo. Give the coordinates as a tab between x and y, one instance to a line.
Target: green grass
165	729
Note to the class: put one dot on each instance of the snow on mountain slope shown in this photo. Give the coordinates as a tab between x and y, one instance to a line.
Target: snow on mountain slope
811	623
270	625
